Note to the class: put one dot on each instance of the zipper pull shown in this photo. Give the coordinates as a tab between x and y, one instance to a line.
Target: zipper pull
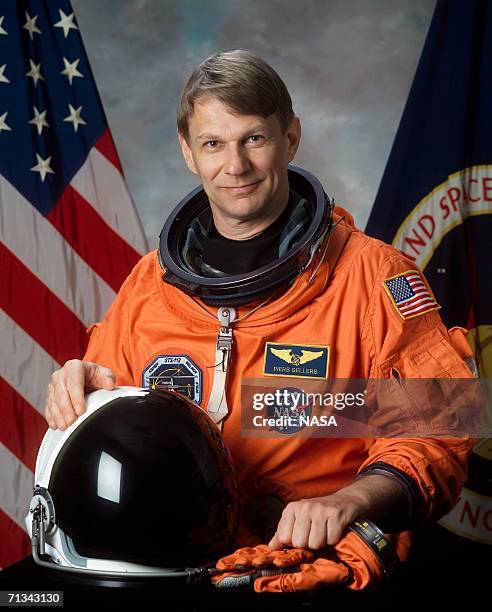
224	340
217	403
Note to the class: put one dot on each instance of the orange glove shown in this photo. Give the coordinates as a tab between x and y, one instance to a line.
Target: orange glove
243	567
262	556
354	565
351	562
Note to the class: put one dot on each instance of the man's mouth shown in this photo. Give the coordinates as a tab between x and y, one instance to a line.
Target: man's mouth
242	188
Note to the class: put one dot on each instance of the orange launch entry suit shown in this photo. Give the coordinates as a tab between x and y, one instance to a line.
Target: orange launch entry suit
345	307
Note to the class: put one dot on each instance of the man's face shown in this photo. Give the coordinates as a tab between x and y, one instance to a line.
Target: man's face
241	159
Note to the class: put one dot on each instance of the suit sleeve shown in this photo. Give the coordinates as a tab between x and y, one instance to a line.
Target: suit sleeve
109	339
413	342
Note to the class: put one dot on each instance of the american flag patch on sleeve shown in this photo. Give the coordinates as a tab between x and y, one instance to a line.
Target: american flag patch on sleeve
409	294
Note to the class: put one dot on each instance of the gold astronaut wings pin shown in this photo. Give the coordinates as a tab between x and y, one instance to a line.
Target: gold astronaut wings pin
297	360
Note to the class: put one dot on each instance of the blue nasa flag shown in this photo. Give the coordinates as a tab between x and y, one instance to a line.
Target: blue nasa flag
435	200
435	197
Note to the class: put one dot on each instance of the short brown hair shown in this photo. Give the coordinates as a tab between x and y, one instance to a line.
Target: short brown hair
242	81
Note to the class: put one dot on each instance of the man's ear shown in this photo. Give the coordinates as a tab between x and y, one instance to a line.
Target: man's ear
186	151
294	137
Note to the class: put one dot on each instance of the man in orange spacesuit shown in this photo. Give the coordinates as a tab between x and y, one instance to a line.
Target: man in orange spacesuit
254	270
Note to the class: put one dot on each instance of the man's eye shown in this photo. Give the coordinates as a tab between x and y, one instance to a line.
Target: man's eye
211	144
256	137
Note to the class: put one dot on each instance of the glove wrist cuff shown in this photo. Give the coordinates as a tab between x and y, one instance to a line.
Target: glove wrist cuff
375	539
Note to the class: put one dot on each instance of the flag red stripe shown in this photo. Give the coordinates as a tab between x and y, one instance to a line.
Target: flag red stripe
105	145
92	238
413	300
417	302
415	307
423	304
42	315
15	543
22	426
420	307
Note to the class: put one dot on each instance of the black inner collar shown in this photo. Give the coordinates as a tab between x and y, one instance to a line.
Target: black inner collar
243	256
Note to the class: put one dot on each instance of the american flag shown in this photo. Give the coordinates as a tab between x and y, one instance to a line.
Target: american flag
410	295
69	230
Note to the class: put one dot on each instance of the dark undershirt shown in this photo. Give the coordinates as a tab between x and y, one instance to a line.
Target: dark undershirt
243	256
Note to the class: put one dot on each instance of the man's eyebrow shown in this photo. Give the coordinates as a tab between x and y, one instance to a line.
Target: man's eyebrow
210	136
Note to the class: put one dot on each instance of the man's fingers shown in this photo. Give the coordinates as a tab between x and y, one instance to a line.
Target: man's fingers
100	377
75	382
334	532
318	534
47	411
300	532
49	417
275	543
65	395
68	385
283	534
65	414
313	523
305	524
53	412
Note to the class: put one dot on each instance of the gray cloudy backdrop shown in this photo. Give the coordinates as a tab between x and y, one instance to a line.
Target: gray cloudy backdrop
348	65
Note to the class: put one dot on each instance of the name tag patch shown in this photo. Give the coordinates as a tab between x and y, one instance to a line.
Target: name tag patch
297	360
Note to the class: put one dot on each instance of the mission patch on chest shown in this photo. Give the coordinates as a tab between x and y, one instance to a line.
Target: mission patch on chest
176	373
299	360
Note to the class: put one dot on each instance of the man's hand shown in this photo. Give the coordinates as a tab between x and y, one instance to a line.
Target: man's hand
320	521
65	393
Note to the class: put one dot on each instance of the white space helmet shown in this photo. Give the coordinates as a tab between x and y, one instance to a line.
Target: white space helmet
140	485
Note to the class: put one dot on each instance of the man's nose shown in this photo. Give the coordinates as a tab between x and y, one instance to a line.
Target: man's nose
236	160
